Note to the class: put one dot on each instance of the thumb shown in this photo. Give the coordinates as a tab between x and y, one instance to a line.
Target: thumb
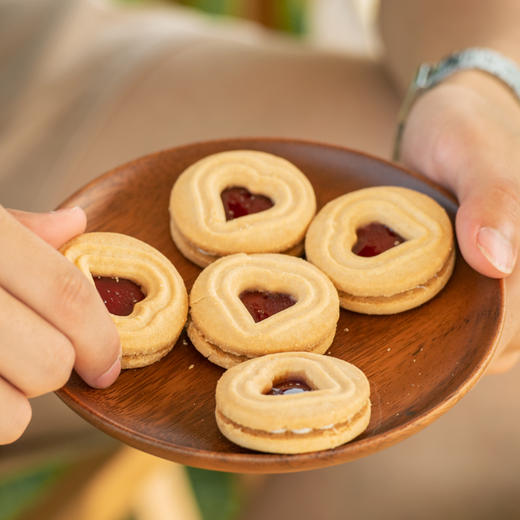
55	227
458	138
488	223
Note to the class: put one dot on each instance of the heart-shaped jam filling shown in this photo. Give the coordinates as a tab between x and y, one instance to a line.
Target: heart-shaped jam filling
118	294
262	304
289	386
375	238
239	201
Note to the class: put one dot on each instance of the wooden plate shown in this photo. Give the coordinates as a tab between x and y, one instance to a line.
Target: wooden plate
419	363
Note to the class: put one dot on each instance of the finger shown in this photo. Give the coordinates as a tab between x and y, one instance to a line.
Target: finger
55	227
466	148
508	348
488	224
34	356
48	283
16	413
503	363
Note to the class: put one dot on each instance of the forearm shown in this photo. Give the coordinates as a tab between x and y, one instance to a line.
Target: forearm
415	31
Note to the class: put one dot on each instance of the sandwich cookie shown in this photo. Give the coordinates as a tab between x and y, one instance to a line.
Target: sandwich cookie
386	249
141	289
293	402
240	201
244	306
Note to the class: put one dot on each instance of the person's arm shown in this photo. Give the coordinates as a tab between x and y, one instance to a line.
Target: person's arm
51	318
415	31
465	132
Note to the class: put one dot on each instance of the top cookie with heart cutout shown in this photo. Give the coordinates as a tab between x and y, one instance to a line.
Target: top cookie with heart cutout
244	306
387	249
292	402
141	288
240	201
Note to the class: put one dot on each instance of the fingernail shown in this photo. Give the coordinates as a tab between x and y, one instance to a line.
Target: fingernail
497	249
74	209
109	376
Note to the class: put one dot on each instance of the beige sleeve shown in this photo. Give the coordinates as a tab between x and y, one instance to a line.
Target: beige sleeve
109	84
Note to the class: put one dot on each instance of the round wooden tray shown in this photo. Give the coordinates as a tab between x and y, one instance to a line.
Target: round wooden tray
419	363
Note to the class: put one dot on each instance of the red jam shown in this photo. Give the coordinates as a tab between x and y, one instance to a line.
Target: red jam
374	239
239	202
290	386
263	304
118	294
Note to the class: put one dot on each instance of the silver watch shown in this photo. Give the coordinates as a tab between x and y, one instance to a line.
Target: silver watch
428	75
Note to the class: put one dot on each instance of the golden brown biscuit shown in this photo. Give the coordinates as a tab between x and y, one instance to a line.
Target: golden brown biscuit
141	288
243	306
293	402
416	265
240	201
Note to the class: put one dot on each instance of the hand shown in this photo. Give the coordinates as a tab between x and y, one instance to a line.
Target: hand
51	318
465	135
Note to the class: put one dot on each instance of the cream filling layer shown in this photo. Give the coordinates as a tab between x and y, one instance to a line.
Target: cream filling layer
424	286
300	431
294	250
239	358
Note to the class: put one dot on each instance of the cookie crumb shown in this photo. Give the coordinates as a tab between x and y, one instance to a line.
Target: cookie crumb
190	367
346	329
388	349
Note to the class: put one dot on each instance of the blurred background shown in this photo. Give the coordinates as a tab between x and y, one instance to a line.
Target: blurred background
88	84
330	23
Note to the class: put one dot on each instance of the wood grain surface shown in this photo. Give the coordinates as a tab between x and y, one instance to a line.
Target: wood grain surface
419	363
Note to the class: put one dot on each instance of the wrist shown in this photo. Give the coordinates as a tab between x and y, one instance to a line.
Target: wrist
458	123
486	86
460	75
